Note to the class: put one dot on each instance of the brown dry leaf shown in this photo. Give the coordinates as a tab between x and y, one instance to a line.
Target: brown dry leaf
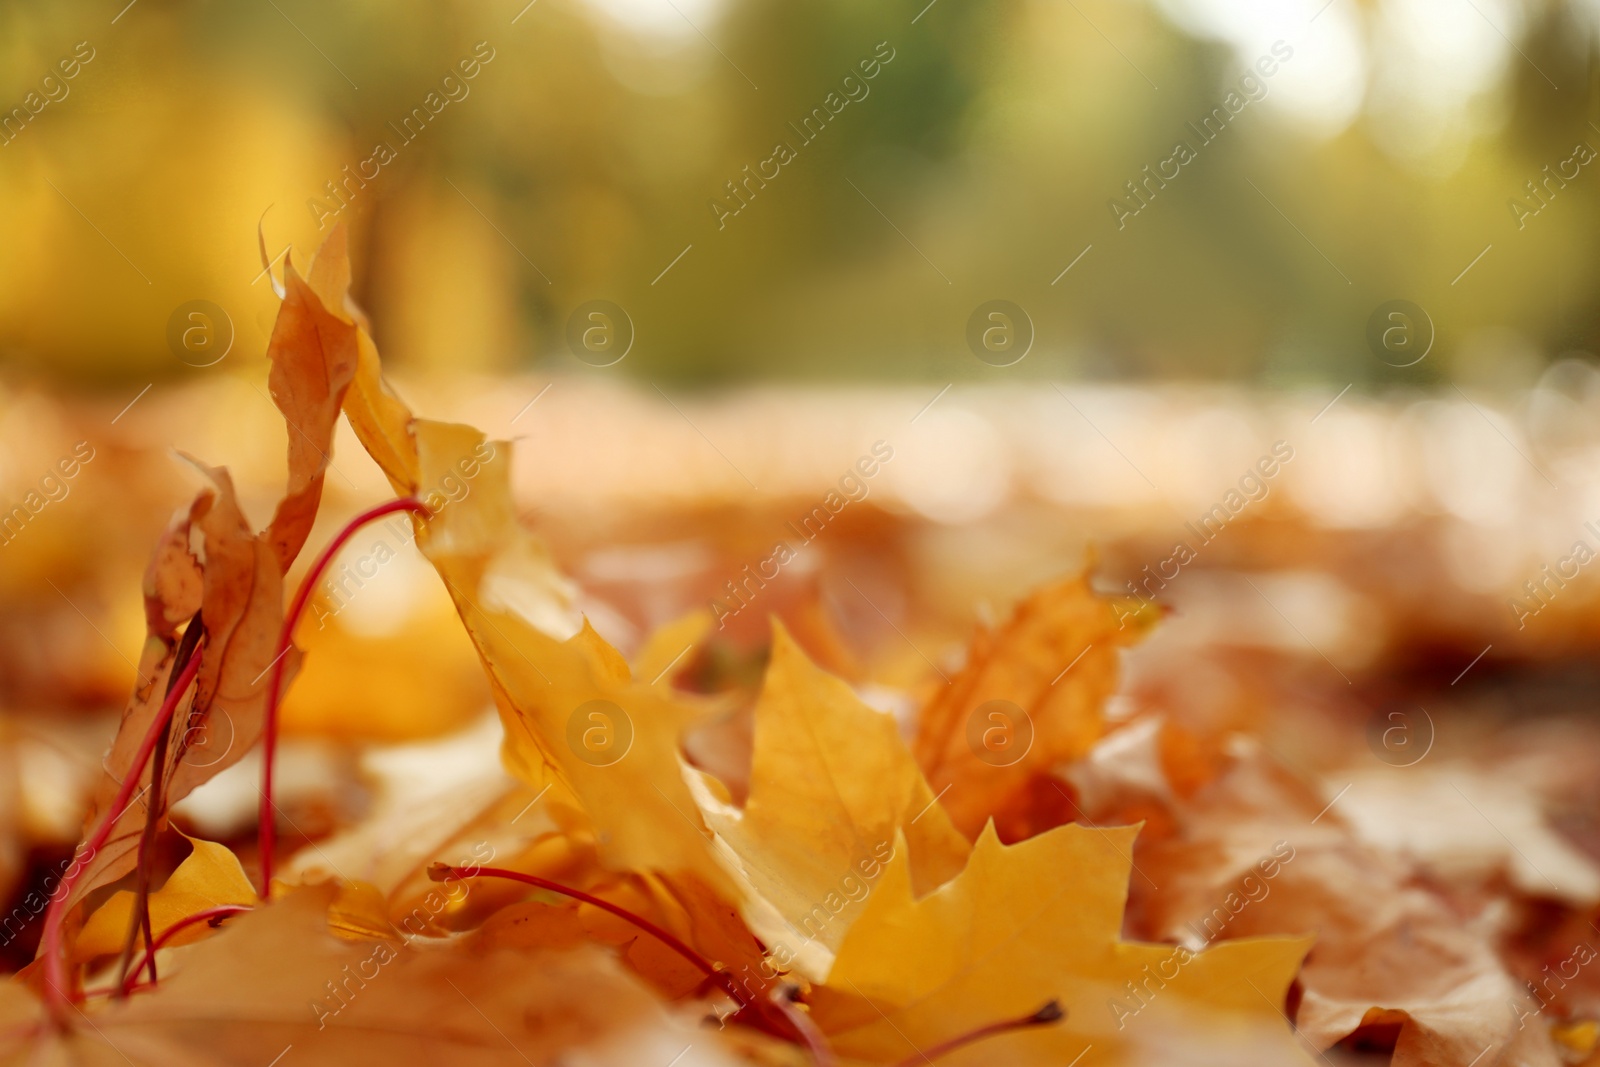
830	786
1056	660
1041	920
313	354
173	582
276	980
241	599
1253	857
380	419
242	605
116	857
174	587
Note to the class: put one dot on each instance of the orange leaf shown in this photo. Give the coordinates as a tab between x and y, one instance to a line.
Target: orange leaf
1030	696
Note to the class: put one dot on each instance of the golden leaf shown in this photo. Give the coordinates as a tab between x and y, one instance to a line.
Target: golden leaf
831	785
1037	921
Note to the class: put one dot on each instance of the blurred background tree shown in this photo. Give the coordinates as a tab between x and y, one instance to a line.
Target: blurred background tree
1383	162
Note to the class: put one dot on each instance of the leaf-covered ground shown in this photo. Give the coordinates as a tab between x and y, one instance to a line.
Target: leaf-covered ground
689	852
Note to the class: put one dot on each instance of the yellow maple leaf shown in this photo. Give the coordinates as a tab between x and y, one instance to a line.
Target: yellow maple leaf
573	712
831	784
576	718
1039	921
380	419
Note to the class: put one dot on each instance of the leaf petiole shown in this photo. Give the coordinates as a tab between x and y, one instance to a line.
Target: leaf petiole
1050	1012
269	728
210	915
438	872
769	1017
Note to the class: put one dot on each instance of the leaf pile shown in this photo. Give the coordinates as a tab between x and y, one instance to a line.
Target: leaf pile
874	897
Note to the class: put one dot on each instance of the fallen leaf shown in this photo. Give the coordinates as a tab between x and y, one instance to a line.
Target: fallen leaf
313	354
1037	921
830	787
1051	665
242	605
174	582
576	720
574	714
241	599
1256	855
